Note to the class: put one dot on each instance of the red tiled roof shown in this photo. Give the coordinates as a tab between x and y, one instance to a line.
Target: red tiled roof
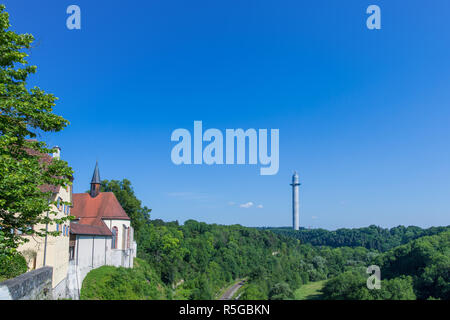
90	213
104	206
83	228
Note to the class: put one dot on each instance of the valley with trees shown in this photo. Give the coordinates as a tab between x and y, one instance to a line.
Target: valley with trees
198	261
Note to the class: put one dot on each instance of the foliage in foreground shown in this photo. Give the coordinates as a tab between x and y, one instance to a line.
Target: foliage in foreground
24	114
12	266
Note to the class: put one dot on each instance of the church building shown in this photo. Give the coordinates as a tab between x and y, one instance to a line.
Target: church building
101	234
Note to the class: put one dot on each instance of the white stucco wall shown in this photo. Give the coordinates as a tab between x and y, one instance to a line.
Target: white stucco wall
119	224
92	252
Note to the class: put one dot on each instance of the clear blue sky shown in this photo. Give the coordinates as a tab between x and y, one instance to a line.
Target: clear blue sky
363	115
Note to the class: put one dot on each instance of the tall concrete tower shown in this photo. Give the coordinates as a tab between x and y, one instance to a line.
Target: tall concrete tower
295	201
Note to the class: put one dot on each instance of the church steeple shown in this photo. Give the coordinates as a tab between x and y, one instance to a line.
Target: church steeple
95	182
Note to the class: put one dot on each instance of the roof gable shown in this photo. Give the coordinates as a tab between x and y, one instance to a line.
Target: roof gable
104	206
91	211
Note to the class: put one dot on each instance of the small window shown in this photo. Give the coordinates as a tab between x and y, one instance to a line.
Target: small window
58	204
57	227
115	234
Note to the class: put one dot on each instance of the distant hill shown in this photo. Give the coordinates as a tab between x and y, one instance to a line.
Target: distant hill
372	237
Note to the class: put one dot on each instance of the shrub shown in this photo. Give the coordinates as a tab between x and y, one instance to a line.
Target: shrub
12	266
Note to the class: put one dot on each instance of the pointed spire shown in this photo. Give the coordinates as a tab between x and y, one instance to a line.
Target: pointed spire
95	182
96	175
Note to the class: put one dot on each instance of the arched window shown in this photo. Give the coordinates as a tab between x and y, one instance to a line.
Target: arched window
128	237
115	235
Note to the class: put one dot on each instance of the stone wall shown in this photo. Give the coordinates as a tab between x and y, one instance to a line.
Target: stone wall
33	285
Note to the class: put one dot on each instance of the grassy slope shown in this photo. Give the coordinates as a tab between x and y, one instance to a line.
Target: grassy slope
310	291
112	283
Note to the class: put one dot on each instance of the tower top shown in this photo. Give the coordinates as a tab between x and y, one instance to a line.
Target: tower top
95	182
96	175
295	179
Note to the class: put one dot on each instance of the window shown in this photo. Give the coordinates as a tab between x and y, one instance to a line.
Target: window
58	204
64	230
115	235
128	238
57	227
124	239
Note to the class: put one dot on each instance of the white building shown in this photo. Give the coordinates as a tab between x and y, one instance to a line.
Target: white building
100	235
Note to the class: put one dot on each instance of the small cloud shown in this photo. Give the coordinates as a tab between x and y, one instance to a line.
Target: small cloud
260	206
246	205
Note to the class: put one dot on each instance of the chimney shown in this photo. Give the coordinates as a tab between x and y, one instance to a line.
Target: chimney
57	153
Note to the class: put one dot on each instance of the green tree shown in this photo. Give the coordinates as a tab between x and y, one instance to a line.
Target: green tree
281	291
253	292
24	114
352	285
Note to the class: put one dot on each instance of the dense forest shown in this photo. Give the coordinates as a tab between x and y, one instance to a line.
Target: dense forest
198	260
419	269
372	237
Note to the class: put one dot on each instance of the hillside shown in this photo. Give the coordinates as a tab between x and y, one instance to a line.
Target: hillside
196	260
419	269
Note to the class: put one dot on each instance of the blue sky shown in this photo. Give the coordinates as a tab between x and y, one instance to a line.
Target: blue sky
363	114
